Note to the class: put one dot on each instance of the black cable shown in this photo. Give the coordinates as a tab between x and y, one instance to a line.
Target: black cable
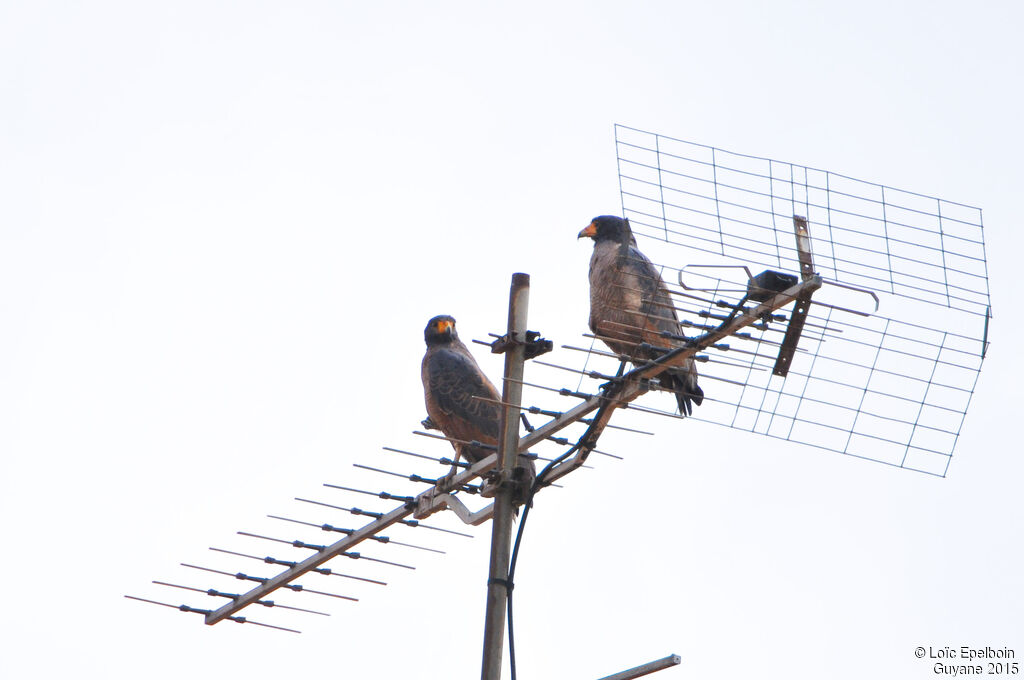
583	442
735	310
537	483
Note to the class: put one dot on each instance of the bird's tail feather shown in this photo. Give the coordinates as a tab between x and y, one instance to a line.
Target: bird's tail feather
687	391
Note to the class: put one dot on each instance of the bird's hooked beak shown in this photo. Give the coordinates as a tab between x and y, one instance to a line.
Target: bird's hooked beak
590	230
445	327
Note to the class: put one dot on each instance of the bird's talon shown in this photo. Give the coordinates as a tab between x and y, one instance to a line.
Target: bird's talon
444	482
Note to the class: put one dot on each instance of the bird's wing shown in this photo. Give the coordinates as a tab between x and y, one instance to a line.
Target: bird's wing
631	304
454	381
658	315
656	302
643	302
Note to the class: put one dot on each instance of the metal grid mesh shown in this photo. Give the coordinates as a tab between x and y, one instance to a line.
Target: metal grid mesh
740	207
891	386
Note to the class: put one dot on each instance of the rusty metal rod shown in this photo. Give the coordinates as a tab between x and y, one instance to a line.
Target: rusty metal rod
288	563
291	586
379	515
206	612
442	461
321	548
379	539
216	593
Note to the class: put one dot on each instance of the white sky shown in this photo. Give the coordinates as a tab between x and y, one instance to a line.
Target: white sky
223	227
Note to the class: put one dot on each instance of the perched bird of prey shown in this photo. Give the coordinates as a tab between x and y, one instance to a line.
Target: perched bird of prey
630	305
453	385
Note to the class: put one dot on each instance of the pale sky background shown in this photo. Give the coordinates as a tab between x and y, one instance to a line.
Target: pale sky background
223	227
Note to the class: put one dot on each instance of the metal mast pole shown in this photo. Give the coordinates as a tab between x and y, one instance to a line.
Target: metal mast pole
501	523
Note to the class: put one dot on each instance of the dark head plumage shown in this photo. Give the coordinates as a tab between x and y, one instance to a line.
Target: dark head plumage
440	330
607	228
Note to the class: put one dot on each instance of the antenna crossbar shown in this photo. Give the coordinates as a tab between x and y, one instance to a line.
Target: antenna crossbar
437	498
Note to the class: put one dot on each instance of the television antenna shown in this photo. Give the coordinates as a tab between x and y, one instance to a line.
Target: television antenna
864	335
